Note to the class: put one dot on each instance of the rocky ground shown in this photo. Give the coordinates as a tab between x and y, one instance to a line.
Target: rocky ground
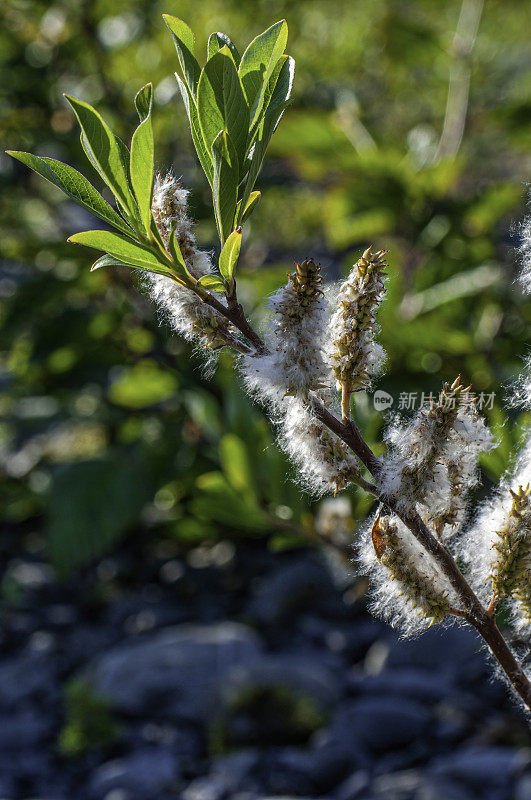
236	673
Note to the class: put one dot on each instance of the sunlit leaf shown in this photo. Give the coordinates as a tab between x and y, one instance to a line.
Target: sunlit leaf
230	254
218	40
212	282
105	152
258	63
183	39
225	186
142	159
75	185
204	155
131	253
221	104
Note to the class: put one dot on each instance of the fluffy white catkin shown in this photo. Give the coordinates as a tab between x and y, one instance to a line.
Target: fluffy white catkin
180	307
408	589
433	459
294	364
283	378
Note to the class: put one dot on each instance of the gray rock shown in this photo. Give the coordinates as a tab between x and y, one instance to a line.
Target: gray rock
418	684
25	729
305	673
229	774
523	788
143	774
490	770
379	724
176	671
452	650
24	677
301	585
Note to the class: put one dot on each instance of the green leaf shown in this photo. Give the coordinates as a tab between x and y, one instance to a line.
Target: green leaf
73	184
105	152
243	216
144	101
132	254
212	282
230	254
218	40
225	185
178	258
265	132
183	39
143	163
280	83
221	104
92	504
258	63
235	464
108	261
203	153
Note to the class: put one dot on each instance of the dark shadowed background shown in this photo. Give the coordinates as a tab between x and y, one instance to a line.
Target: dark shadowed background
138	494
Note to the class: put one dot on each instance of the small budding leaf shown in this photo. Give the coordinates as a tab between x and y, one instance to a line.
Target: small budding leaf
230	254
243	216
212	282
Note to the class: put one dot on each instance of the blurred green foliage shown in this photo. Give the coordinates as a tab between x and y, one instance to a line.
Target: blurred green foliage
88	723
109	423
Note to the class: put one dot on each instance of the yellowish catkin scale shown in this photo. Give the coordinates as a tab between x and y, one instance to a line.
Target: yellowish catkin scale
303	288
418	587
511	569
353	324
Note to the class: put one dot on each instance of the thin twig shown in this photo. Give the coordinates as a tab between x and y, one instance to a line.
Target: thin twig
459	83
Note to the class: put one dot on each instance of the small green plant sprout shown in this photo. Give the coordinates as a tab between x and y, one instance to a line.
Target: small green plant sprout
316	352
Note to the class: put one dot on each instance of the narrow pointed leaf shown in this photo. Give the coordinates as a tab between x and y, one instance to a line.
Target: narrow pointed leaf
243	215
105	152
218	40
115	245
75	185
212	282
203	153
258	63
265	132
144	101
183	39
108	261
143	165
221	104
230	254
225	186
281	84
